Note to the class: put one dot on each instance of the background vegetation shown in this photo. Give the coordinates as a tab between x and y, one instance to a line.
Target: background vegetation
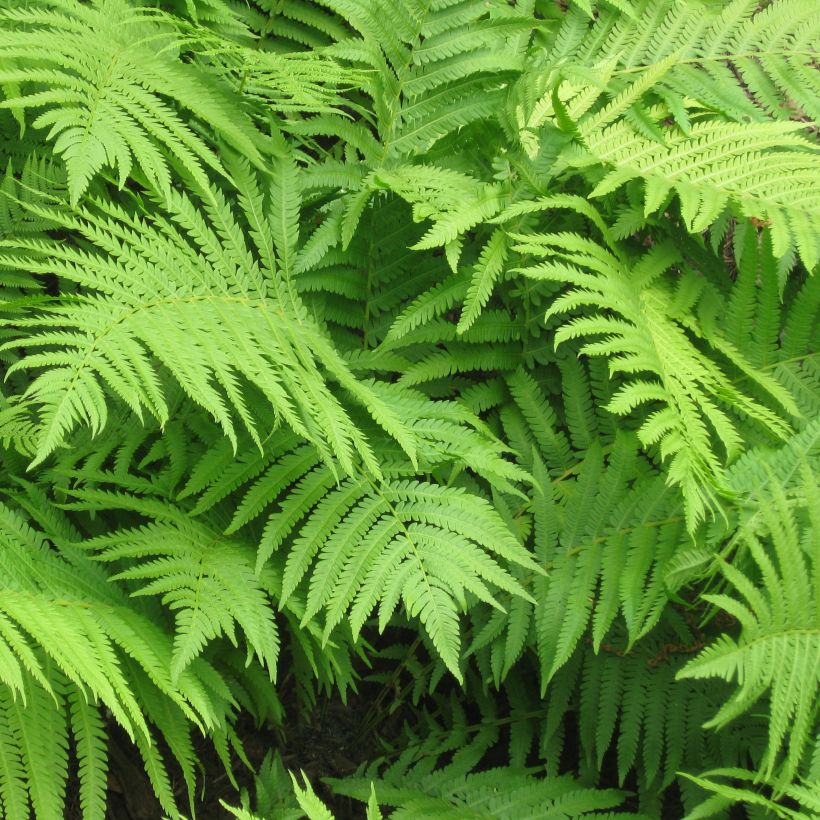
422	394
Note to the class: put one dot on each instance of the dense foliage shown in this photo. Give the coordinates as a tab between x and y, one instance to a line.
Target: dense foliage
458	352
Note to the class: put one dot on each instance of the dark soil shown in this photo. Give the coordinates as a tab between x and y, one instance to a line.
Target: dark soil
326	743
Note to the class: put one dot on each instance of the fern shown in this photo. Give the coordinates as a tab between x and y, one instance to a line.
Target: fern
712	168
206	581
422	395
740	59
647	338
227	289
804	796
71	647
777	649
375	543
448	792
105	82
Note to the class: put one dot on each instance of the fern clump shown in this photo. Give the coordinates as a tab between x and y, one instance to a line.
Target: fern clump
409	408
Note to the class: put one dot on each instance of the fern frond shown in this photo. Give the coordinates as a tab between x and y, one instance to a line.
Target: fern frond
738	58
88	731
78	649
104	79
204	578
795	801
372	544
616	531
648	337
496	793
778	650
489	266
193	299
755	172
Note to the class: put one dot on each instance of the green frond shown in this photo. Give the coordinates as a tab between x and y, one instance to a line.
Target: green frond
578	403
225	321
42	735
794	802
206	579
313	807
13	786
88	731
755	172
649	338
738	58
496	793
434	302
777	652
72	641
372	544
489	266
616	531
37	176
541	420
105	80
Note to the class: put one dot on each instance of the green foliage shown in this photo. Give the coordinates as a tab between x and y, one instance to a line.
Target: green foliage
779	645
105	81
449	363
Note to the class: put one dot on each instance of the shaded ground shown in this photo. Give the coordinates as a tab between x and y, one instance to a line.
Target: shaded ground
328	744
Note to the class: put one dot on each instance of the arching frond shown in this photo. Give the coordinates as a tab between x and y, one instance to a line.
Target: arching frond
375	543
640	331
106	79
181	290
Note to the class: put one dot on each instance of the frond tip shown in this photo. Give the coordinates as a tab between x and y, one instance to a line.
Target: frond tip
376	543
